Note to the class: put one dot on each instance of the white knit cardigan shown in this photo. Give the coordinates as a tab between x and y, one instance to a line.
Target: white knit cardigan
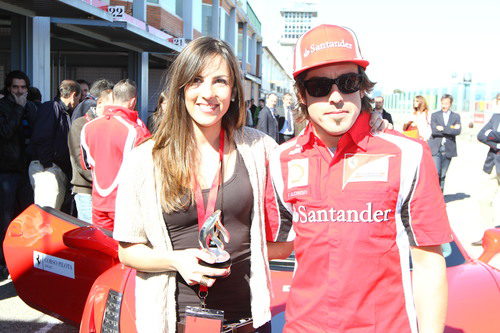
139	219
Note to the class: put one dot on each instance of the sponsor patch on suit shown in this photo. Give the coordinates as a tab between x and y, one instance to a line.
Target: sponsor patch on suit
365	168
298	172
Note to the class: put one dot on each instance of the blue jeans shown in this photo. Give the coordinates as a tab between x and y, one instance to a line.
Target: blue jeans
9	183
442	164
84	206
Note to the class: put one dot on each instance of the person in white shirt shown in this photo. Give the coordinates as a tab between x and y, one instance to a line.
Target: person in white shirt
445	126
288	128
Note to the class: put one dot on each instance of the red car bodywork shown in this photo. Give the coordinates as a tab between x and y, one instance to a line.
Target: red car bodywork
100	295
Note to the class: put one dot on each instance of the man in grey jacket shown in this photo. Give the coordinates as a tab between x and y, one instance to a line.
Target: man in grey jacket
267	120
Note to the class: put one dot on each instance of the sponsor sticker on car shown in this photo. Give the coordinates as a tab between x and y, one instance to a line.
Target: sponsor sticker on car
53	264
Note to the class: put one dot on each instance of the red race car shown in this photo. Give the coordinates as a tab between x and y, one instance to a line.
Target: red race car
69	269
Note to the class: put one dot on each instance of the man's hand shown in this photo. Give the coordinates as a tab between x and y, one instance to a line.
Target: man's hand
456	126
21	99
440	128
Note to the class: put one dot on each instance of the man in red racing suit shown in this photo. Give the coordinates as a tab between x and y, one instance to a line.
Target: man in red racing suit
359	207
105	141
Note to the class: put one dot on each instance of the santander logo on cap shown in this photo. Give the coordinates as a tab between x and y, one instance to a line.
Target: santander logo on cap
326	44
314	48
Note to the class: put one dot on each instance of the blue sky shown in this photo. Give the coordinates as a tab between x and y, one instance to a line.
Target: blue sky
412	44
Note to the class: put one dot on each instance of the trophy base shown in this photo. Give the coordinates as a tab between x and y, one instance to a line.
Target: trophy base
224	264
222	260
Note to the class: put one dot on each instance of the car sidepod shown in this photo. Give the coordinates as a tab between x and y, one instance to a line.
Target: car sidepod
48	272
473	298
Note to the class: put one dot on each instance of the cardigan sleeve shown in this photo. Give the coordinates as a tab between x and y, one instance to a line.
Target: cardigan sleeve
270	145
130	209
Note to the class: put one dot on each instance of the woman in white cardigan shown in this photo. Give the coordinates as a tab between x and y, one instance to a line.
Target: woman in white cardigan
158	235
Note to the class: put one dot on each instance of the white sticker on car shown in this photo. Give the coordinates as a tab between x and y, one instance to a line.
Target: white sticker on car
53	264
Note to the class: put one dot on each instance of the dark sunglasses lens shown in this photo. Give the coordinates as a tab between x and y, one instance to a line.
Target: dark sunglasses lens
318	87
349	83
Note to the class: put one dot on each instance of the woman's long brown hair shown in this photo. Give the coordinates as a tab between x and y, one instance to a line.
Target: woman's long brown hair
422	105
175	148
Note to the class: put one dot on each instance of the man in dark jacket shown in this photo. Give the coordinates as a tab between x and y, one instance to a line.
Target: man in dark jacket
445	126
267	119
82	108
14	111
489	189
82	179
379	107
51	168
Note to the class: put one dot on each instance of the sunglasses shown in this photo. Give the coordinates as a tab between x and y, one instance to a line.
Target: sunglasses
321	86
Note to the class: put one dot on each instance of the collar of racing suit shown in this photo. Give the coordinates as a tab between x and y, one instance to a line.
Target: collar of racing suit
113	110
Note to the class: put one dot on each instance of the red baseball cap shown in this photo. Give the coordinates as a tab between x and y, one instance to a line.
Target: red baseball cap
326	44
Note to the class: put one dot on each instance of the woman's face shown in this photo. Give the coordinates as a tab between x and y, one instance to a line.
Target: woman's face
416	103
208	97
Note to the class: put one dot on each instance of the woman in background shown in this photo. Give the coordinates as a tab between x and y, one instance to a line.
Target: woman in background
420	119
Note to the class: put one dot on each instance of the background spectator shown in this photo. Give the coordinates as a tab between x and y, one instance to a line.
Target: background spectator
105	141
262	104
445	126
248	108
14	107
51	167
81	180
421	119
489	189
379	107
87	102
35	96
287	130
267	120
85	86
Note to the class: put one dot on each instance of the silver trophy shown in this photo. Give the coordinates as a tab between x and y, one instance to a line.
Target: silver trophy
210	240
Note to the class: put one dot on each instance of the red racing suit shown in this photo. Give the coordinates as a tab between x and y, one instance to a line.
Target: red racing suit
353	215
105	141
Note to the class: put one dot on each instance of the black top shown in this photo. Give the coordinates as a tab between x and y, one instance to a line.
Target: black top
231	294
387	116
15	130
49	142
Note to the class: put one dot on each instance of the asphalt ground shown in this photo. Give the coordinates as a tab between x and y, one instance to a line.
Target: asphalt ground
462	207
17	317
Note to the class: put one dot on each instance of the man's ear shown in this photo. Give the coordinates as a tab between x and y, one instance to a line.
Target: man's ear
301	99
132	103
